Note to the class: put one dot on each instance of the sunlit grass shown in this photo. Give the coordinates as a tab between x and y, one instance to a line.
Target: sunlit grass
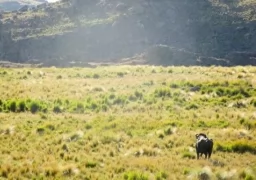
124	122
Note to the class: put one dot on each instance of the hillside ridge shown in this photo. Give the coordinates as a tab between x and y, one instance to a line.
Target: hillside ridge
82	31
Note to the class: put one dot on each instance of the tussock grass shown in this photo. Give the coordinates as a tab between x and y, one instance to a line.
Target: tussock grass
125	122
237	146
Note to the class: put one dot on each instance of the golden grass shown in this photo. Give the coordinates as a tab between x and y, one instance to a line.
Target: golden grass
154	139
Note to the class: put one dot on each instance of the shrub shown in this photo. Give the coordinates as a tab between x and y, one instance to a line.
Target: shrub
96	76
112	96
21	106
218	124
93	106
107	139
132	98
57	109
34	107
249	177
161	176
104	107
242	148
168	131
170	71
90	164
188	155
201	124
246	176
248	124
120	74
58	101
174	85
150	100
119	101
220	92
59	77
149	83
40	130
43	116
97	89
79	108
237	147
153	71
162	92
135	176
203	176
192	106
12	106
138	94
253	102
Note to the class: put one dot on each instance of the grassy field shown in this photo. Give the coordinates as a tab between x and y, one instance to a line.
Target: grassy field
127	122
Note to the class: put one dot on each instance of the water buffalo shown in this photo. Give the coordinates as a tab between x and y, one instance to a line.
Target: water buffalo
204	145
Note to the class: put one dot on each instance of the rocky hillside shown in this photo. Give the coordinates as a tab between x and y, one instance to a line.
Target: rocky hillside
165	32
12	5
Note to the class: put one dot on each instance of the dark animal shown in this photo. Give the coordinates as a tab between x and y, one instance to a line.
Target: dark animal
204	145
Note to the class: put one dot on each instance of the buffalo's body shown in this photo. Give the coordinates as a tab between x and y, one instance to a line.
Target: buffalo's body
203	145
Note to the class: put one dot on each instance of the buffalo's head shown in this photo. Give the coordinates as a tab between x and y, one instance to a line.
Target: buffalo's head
200	135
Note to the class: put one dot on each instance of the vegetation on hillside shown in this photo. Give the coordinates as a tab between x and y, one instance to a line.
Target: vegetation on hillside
126	122
83	31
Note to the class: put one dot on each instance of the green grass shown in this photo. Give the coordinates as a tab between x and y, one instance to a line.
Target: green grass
126	122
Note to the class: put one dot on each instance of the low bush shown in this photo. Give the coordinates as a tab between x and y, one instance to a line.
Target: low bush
90	165
21	106
96	76
59	77
163	92
79	108
246	175
121	100
12	106
112	96
248	124
104	108
97	89
57	109
120	74
161	176
34	107
138	94
237	147
135	176
192	106
188	155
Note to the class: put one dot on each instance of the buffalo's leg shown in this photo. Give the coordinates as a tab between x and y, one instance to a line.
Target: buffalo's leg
209	155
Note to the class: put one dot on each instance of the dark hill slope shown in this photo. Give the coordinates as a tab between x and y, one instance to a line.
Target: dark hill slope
106	30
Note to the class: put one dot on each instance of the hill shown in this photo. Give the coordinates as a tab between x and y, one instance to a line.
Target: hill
208	32
12	5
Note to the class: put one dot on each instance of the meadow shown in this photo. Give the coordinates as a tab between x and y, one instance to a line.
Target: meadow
127	122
